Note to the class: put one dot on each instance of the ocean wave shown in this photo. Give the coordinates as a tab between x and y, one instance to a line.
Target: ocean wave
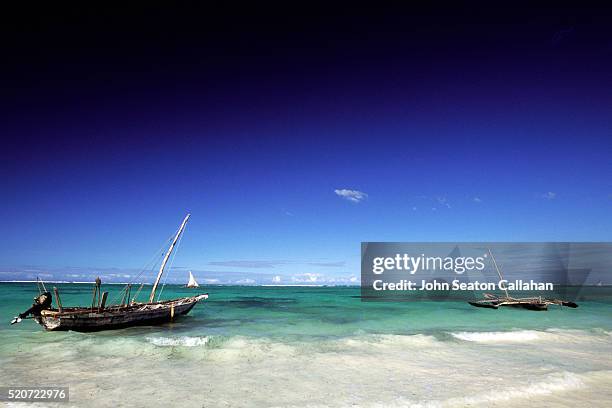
389	340
552	384
527	336
366	342
560	382
517	336
220	348
185	341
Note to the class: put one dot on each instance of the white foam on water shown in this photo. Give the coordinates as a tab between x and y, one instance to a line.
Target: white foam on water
561	382
241	348
390	340
553	384
594	335
362	371
215	348
365	370
526	336
411	339
518	336
184	341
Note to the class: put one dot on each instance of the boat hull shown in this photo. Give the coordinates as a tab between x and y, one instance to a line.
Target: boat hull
538	307
487	305
535	304
86	320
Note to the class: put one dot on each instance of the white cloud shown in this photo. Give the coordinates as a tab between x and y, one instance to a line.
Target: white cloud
276	279
250	263
354	196
320	279
549	195
306	277
477	200
246	281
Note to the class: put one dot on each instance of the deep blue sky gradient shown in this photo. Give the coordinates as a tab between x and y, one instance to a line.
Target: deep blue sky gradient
459	125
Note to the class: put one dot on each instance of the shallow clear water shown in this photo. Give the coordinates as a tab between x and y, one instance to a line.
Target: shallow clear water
301	346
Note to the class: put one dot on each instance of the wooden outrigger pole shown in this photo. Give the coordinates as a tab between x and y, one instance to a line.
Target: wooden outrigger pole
163	264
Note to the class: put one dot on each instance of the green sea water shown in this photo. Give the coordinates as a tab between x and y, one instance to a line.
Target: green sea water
318	346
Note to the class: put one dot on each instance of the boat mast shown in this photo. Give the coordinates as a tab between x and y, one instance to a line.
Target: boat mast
498	271
163	264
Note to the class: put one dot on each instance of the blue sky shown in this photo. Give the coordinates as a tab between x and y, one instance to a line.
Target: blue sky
273	208
500	132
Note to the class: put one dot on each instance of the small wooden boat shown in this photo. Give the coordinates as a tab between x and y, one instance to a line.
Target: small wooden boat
129	312
529	303
532	303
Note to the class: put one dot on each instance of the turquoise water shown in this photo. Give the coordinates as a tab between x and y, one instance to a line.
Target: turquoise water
319	346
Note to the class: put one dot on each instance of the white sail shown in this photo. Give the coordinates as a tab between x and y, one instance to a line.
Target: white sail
192	282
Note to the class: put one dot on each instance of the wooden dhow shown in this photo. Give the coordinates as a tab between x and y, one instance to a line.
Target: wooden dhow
537	303
129	312
530	303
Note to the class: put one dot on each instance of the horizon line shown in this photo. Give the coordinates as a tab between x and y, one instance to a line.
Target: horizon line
181	284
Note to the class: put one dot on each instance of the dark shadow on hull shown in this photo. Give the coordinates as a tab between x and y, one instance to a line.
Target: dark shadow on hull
151	321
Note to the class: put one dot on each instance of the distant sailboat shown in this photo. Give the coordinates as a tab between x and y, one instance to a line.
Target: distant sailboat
192	282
